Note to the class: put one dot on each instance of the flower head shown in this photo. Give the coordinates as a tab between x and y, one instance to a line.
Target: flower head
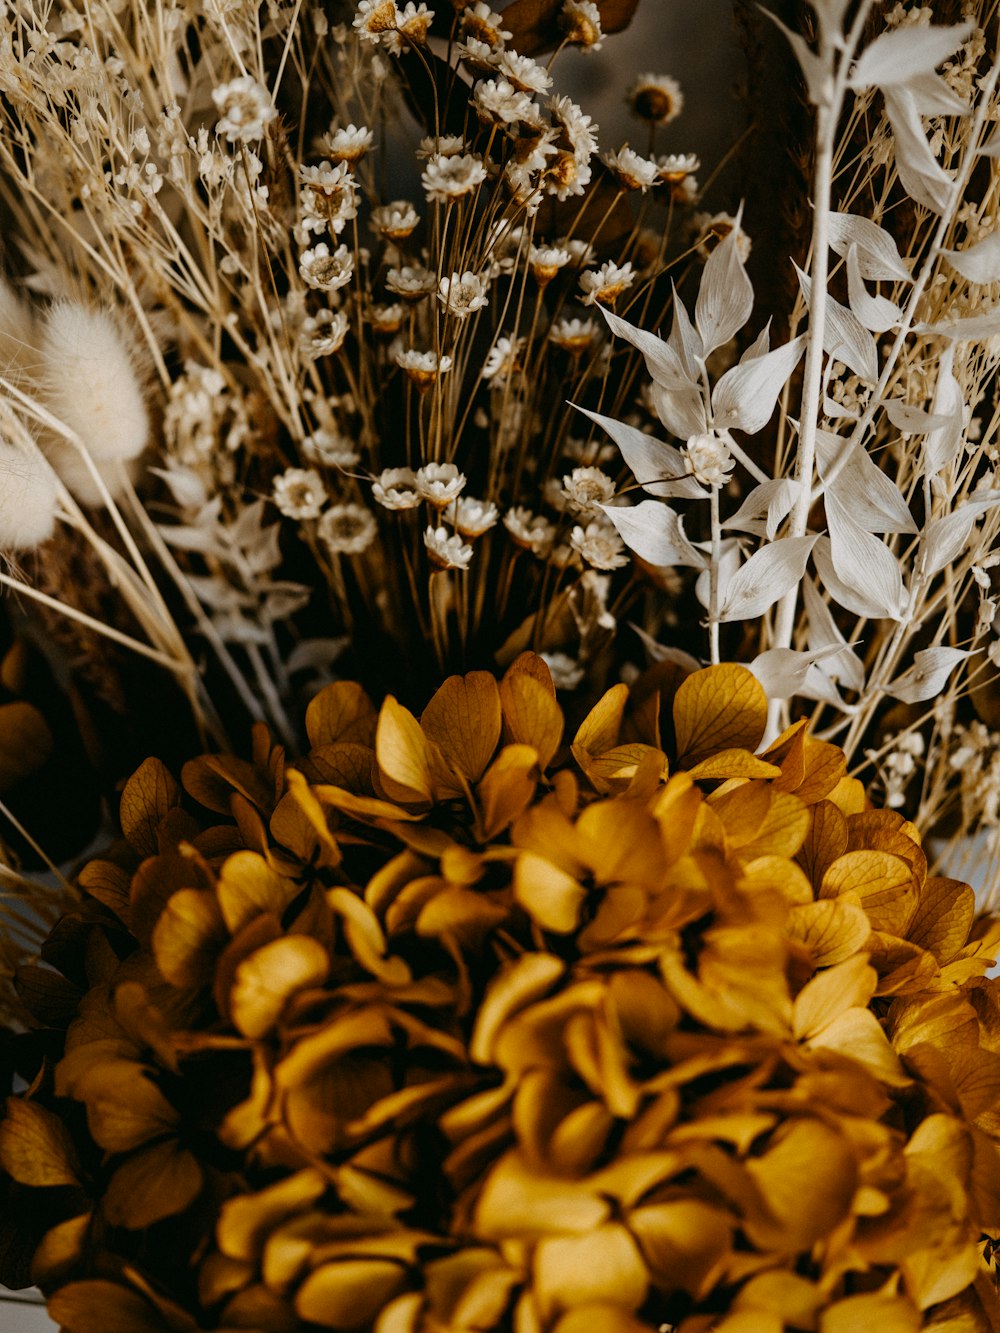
395	221
587	487
472	517
606	284
631	170
481	22
423	368
28	493
463	294
503	359
573	335
396	488
439	483
450	177
709	458
410	283
326	271
498	102
324	333
656	98
580	20
246	109
532	532
299	493
349	144
447	550
347	529
711	228
330	448
600	545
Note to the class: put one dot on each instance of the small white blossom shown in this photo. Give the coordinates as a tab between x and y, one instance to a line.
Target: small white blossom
299	493
423	368
587	487
324	271
447	178
709	459
350	143
480	21
656	98
396	488
599	545
330	448
630	169
441	145
411	282
573	335
386	319
347	529
579	129
439	483
498	102
503	359
246	109
462	294
447	550
711	228
565	672
395	221
377	22
526	74
580	20
674	167
532	532
472	517
603	286
324	333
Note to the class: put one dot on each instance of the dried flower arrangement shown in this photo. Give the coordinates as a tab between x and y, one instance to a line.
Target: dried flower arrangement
331	355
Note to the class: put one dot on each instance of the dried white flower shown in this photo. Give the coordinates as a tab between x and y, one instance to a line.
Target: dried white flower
532	532
447	550
299	493
630	169
323	334
498	102
711	228
675	167
28	493
423	368
565	672
439	483
441	145
587	487
246	109
396	488
347	529
656	98
503	359
377	22
545	262
414	21
411	282
395	221
481	22
89	381
326	271
526	74
599	545
349	144
463	294
386	319
329	196
330	448
709	458
580	20
472	517
447	178
579	129
573	335
603	286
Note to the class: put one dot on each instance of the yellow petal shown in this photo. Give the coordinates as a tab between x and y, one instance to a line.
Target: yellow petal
248	887
463	720
830	992
719	708
340	712
884	885
807	1178
246	1220
60	1249
550	896
864	1314
154	1183
517	985
349	1293
507	789
857	1033
188	937
519	1201
604	1265
683	1241
270	976
732	763
601	728
531	714
832	929
96	1306
148	796
35	1146
125	1109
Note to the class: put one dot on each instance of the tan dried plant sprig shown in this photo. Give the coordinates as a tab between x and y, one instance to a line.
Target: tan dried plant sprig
457	1021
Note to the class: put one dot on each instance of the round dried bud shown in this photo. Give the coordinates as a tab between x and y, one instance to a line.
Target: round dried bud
709	458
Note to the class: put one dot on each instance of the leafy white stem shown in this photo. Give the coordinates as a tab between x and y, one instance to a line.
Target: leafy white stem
713	578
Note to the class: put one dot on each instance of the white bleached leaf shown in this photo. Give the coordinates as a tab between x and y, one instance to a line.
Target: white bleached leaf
760	346
661	360
934	98
844	336
783	672
872	499
745	396
185	485
655	533
658	467
725	297
863	566
730	559
912	420
816	71
822	631
920	174
895	57
834	411
974	328
944	539
682	411
765	578
765	508
980	262
878	257
685	338
926	678
943	443
876	313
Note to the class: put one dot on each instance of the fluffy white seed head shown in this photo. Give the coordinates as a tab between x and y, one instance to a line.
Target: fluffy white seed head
28	492
89	381
17	334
